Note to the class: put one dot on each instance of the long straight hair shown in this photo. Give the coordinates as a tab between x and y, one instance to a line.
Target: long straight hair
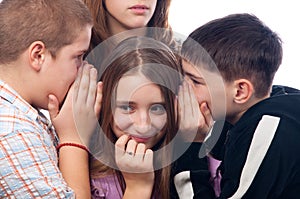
138	55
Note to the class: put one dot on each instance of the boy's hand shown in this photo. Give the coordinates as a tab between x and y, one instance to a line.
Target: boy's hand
77	119
195	120
136	164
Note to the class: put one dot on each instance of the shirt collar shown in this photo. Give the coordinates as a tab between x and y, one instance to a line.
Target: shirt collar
11	96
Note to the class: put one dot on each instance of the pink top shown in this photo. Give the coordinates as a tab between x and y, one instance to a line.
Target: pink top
107	187
216	176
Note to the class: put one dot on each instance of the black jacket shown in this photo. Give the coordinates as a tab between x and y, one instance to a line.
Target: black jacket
278	172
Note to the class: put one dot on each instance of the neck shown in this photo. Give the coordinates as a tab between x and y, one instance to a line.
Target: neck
12	75
236	116
115	28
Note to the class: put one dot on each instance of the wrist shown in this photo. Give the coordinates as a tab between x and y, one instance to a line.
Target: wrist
138	191
72	144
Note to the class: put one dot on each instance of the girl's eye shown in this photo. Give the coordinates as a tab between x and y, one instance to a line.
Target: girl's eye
126	108
157	109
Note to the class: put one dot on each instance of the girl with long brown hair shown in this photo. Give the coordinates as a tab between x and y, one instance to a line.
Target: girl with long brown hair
132	153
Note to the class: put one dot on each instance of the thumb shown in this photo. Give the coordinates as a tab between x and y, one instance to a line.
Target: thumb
207	114
53	106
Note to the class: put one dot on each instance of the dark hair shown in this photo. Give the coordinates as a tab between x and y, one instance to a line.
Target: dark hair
157	63
241	46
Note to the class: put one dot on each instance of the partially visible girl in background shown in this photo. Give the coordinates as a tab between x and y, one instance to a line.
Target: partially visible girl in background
115	16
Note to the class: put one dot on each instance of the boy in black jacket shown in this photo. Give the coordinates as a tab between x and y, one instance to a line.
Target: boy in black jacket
258	157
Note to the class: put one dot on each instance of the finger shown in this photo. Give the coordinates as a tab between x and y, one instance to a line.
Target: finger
180	103
187	108
84	84
176	107
92	90
140	152
77	83
98	99
148	158
121	142
53	106
194	105
131	147
206	114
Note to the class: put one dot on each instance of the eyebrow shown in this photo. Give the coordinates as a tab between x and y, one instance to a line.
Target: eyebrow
131	102
82	51
192	75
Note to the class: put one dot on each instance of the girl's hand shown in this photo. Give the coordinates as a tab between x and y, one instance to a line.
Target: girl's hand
136	164
195	120
77	119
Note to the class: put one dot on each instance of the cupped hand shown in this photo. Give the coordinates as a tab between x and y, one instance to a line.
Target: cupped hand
135	162
77	118
195	120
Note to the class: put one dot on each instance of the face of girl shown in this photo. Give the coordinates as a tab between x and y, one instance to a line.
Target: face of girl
126	15
139	111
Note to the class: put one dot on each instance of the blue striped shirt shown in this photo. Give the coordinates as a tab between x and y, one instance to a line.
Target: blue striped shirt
28	157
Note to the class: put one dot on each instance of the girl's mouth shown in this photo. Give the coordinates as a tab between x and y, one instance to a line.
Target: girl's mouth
139	139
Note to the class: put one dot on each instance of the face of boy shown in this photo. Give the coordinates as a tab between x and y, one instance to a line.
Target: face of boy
139	111
208	87
130	14
62	70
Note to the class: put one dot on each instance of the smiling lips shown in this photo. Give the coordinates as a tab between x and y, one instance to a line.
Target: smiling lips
140	140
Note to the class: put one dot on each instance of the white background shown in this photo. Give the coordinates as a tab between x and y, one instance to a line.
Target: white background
283	17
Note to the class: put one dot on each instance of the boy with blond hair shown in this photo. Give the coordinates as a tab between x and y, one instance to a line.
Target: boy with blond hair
42	47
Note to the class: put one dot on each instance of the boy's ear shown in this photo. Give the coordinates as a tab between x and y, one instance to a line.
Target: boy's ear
243	91
37	52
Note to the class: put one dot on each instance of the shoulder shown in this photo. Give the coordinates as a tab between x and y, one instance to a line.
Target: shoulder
13	120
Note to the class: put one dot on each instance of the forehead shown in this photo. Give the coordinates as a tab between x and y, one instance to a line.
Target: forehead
191	69
137	87
81	42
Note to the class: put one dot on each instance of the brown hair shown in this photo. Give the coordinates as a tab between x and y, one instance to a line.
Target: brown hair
100	29
241	46
159	65
54	22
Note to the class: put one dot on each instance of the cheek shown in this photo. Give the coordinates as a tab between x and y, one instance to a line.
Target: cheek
202	95
199	95
64	83
159	121
122	121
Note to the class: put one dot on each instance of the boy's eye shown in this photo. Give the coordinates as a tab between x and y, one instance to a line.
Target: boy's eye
79	60
80	57
195	81
157	109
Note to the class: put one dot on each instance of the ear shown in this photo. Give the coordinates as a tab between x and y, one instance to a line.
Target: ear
243	91
37	55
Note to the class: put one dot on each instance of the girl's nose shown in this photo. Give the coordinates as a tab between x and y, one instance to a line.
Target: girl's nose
142	122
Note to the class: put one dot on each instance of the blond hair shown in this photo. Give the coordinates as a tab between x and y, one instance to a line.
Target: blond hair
55	22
